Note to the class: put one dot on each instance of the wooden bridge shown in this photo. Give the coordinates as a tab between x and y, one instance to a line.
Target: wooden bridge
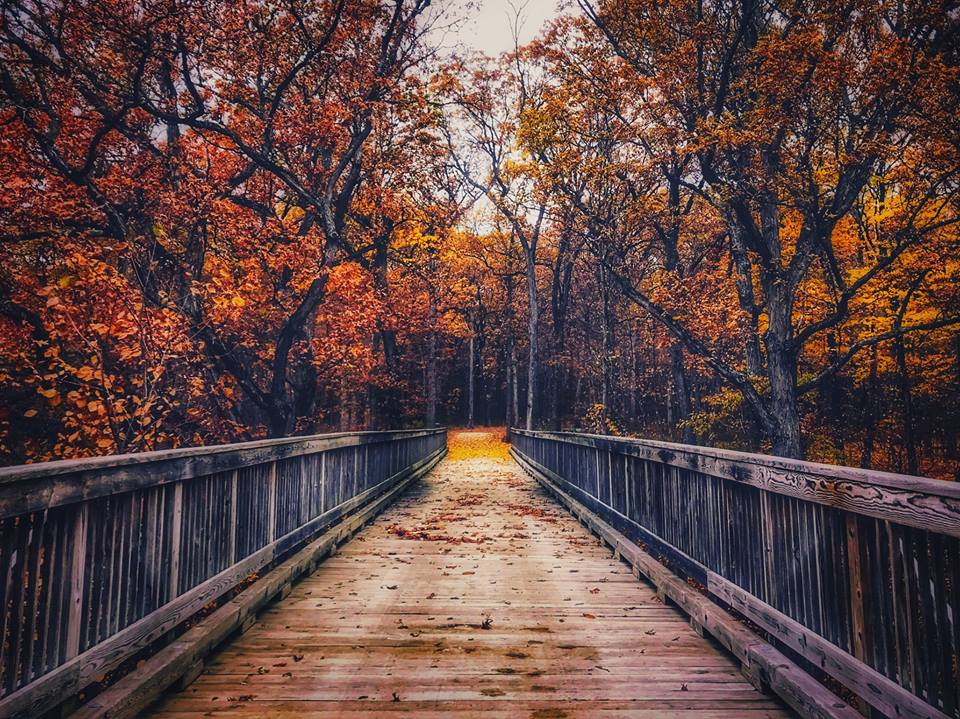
220	581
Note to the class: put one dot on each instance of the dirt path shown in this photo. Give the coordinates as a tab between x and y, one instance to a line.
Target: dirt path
474	595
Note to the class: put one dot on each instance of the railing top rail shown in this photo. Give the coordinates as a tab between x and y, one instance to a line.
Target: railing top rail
835	471
31	487
917	501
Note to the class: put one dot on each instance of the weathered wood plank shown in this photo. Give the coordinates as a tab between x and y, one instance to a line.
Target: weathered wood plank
132	694
32	487
78	560
799	690
882	693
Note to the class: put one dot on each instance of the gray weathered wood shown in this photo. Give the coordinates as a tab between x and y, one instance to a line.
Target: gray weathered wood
136	691
393	613
789	561
31	487
809	698
915	501
884	694
132	577
77	566
176	532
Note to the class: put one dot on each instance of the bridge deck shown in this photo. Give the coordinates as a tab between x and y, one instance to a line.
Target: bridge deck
474	593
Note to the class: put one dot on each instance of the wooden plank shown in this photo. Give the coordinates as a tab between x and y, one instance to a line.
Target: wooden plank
78	552
73	675
877	690
272	503
855	584
176	536
232	529
914	650
394	624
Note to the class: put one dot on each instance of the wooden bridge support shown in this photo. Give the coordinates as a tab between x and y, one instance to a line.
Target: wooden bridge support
846	575
764	667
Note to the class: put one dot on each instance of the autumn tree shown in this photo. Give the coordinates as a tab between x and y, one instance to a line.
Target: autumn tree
795	123
724	222
207	157
487	103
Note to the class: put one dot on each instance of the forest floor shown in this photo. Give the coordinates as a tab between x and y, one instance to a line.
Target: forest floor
474	594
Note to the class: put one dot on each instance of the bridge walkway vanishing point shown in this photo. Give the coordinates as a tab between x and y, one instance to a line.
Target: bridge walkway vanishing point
474	594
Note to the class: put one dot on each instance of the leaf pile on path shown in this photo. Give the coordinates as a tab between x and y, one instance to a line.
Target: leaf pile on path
480	443
423	533
469	499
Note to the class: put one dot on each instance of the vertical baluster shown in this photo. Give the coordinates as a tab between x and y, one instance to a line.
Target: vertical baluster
232	526
271	503
175	539
77	566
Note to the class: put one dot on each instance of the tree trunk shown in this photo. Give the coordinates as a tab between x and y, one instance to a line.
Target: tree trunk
559	305
870	399
431	420
470	391
532	321
953	428
551	396
508	390
681	393
748	305
783	407
515	390
632	376
510	356
782	371
906	397
344	402
746	298
280	409
606	331
903	377
680	412
834	395
385	401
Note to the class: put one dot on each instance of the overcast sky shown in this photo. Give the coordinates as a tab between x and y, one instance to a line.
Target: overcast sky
488	24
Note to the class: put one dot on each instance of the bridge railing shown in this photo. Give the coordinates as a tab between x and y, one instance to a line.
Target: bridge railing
99	558
857	572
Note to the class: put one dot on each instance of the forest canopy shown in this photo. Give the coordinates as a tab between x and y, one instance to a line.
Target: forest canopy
721	222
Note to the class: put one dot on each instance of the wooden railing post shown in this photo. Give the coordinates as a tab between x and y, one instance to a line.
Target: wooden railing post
767	520
272	503
323	483
176	527
855	574
78	564
232	531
